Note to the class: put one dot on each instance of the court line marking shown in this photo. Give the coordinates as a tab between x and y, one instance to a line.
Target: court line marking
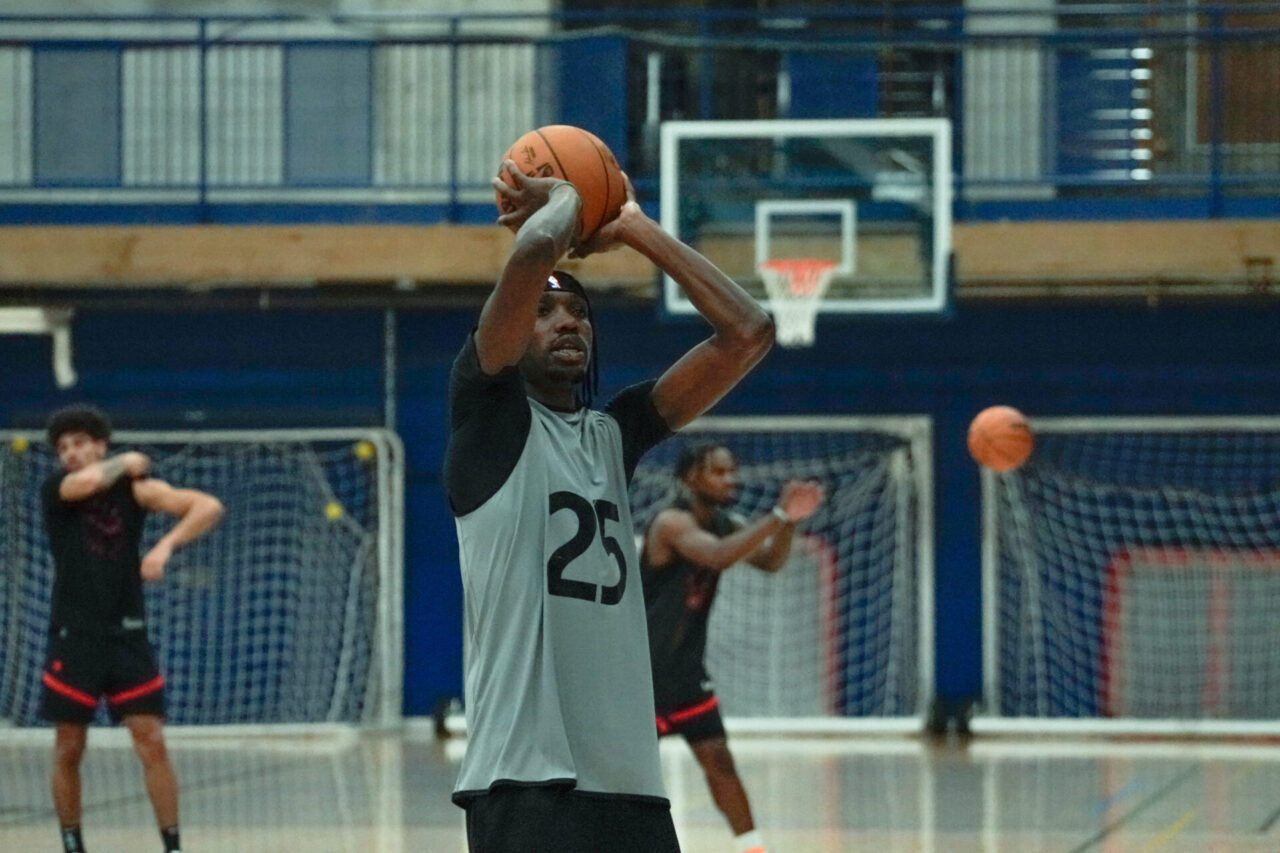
1269	822
38	814
1170	832
1150	801
1133	786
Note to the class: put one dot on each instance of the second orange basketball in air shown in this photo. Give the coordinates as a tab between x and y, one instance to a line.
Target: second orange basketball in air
1000	438
579	157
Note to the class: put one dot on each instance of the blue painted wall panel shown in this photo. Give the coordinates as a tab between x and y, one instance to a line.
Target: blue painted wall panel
825	85
593	89
277	368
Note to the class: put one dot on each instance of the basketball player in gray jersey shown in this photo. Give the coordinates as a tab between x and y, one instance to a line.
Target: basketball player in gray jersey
562	752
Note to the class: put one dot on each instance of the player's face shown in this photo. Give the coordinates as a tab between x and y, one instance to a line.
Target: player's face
716	480
78	449
561	345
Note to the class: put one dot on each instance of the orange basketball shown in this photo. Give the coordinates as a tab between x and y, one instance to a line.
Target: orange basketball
572	154
1000	438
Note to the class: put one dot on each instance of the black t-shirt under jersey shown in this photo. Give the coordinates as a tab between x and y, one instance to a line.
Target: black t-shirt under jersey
97	585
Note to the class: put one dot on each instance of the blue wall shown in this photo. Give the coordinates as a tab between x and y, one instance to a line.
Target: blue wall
307	368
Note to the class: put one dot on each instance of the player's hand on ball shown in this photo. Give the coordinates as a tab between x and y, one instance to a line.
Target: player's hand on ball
153	563
800	498
136	465
609	235
523	197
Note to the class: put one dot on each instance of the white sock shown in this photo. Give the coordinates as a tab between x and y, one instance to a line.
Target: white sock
750	842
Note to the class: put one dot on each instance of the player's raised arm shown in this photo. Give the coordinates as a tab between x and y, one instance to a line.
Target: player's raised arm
196	512
545	210
99	476
742	330
677	533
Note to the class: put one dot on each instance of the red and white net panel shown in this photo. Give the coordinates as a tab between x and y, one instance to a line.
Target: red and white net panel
1191	633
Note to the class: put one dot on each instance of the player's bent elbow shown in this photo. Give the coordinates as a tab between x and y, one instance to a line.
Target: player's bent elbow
755	338
536	244
766	332
214	507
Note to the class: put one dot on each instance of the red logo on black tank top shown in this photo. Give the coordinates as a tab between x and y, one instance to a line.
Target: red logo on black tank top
56	666
103	529
699	589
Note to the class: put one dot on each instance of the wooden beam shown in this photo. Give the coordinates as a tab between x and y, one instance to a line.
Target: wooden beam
214	255
209	256
1070	252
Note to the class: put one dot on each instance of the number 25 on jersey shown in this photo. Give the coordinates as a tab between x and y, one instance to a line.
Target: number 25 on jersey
592	519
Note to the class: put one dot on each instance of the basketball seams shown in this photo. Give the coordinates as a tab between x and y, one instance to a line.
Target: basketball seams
604	170
1000	438
988	450
552	152
556	157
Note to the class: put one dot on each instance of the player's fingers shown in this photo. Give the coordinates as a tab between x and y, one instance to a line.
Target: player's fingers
513	170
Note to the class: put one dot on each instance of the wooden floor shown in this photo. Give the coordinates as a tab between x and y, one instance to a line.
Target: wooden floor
390	794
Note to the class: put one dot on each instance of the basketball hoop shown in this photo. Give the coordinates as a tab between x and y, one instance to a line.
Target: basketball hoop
795	287
55	322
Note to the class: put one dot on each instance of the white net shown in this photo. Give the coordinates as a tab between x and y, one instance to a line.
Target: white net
796	288
1133	571
839	630
281	614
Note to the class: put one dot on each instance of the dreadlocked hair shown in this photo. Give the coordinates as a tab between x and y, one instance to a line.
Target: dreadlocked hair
590	384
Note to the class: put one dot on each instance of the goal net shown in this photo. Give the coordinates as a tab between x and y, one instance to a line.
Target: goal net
840	636
1132	575
287	612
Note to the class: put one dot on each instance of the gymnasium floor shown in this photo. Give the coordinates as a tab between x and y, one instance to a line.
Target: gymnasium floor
389	794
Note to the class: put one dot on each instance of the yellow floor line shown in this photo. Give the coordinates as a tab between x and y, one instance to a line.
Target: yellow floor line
1170	832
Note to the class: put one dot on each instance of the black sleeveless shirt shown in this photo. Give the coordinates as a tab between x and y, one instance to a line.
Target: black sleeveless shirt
97	585
678	600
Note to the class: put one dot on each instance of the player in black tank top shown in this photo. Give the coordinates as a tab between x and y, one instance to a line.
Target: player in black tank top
94	510
686	547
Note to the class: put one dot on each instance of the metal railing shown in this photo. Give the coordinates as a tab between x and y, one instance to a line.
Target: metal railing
1056	109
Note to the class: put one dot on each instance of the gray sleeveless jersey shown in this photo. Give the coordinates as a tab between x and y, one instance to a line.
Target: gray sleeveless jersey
558	682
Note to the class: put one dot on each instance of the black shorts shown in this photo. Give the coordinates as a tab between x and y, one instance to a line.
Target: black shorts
84	667
696	719
543	819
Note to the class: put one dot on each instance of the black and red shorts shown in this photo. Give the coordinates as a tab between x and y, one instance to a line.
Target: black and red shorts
696	720
85	667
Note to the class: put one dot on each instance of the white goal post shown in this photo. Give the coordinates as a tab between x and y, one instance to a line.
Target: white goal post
1131	579
287	616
